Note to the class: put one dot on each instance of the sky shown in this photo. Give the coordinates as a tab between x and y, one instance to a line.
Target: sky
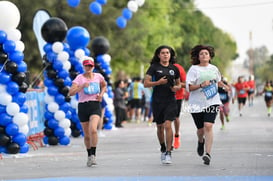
240	18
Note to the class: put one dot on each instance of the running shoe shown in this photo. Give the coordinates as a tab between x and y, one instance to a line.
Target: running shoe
206	159
168	158
222	127
176	143
163	157
91	160
200	148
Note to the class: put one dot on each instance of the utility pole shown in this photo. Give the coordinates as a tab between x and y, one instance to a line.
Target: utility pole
251	55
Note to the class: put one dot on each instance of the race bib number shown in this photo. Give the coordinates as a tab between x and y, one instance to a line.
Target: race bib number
93	88
210	91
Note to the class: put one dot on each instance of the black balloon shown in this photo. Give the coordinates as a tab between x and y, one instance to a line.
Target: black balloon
76	133
67	99
59	82
73	74
13	148
48	132
64	90
100	45
2	130
23	87
19	78
52	74
54	29
52	140
11	67
4	140
3	57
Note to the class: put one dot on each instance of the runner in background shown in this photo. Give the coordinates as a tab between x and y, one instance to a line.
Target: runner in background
241	91
179	95
225	98
251	91
268	97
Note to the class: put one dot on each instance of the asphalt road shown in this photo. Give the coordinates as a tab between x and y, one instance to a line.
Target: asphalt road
243	151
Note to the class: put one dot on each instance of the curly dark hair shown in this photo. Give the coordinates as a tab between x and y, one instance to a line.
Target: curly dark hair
195	53
156	59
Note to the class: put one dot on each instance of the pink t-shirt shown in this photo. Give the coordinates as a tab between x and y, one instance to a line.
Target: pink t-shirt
91	92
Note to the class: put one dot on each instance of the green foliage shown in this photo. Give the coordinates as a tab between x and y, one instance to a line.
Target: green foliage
172	22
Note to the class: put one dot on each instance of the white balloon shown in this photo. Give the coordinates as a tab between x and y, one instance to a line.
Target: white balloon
48	98
10	15
12	108
59	115
74	102
63	56
20	119
140	2
67	132
79	53
66	65
57	47
20	46
53	107
107	58
65	123
132	6
14	34
5	98
24	129
3	88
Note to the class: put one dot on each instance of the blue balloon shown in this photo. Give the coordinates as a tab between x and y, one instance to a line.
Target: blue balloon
45	140
51	56
52	123
47	47
16	56
127	14
3	149
20	139
64	140
4	77
59	98
52	90
22	67
73	3
77	37
24	108
20	98
65	107
95	8
48	115
58	65
63	73
102	2
3	36
12	129
24	148
59	132
121	22
2	109
12	88
48	82
5	119
9	46
108	126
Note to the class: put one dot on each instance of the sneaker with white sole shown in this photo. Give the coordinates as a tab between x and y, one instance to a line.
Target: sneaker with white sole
168	158
206	159
91	160
163	157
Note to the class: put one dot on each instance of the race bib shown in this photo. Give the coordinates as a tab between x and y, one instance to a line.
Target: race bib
93	88
242	91
223	96
268	94
210	91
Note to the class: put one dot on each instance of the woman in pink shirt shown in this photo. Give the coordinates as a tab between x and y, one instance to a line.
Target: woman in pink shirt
90	87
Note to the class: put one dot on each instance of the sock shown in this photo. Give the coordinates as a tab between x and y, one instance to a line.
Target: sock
163	147
208	154
93	150
269	110
88	151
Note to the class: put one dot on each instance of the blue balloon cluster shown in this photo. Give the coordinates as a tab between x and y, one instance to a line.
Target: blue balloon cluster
121	21
58	110
13	110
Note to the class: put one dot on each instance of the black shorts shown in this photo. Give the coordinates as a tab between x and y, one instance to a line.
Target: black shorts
135	103
163	111
241	100
179	104
86	109
207	115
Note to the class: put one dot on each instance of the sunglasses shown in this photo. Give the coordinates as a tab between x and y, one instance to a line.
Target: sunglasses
88	65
